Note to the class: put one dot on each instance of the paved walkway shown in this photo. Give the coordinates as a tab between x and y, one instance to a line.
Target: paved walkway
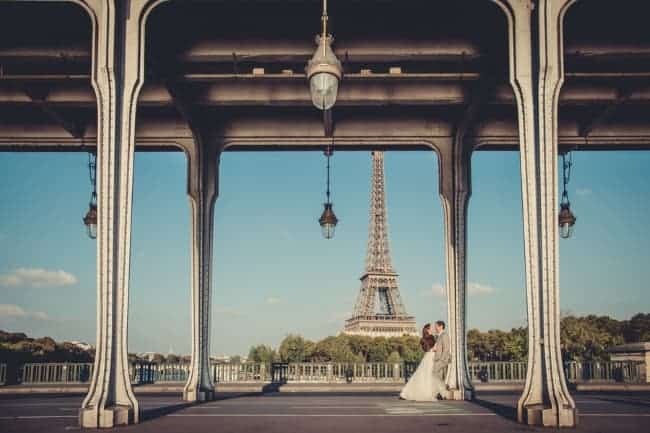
324	413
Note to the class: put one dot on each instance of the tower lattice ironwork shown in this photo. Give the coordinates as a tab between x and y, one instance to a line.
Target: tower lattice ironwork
379	310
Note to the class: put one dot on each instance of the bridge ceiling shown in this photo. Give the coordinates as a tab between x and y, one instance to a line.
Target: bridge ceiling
212	54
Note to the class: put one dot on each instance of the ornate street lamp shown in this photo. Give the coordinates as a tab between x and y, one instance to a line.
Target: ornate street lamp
328	219
566	219
90	220
324	70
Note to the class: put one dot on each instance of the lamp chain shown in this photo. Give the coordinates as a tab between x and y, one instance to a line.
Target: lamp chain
92	174
328	154
567	164
324	18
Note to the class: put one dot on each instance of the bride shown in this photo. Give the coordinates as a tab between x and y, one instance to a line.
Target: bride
423	385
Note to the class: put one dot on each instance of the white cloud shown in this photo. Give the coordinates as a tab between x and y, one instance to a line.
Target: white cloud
13	311
339	317
271	300
583	192
439	290
37	278
226	311
287	235
479	289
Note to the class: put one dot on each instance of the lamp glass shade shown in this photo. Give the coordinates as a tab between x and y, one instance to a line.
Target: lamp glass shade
328	221
90	221
566	220
328	230
324	88
566	230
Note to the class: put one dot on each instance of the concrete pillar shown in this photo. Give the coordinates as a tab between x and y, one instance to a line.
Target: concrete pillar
116	81
455	190
203	167
536	74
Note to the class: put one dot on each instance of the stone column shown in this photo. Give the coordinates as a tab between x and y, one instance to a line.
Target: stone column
116	79
455	191
203	172
536	74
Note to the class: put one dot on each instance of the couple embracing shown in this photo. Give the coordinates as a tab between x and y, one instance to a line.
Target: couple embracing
428	381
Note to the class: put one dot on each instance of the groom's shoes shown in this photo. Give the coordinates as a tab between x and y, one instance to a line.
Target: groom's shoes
439	397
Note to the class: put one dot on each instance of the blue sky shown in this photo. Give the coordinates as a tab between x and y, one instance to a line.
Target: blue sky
274	274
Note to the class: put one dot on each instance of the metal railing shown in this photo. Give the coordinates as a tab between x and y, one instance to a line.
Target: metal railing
178	372
306	372
497	371
34	373
615	371
241	372
326	372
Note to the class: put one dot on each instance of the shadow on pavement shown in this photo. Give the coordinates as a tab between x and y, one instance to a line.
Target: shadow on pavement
505	411
150	414
272	387
623	400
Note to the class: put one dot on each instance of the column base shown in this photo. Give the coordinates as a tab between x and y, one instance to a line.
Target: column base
458	394
108	417
548	417
196	395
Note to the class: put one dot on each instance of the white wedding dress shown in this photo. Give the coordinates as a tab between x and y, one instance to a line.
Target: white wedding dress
423	385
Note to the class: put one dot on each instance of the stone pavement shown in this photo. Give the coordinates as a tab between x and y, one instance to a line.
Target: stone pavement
324	413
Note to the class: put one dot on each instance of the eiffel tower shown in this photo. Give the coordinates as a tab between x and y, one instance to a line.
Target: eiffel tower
379	311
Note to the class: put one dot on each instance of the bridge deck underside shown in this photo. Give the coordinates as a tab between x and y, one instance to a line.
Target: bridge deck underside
410	75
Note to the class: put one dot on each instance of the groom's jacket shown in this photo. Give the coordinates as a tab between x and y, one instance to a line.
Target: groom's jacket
442	356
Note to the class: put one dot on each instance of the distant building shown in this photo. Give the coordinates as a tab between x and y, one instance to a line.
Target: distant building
82	345
149	356
220	358
639	352
228	358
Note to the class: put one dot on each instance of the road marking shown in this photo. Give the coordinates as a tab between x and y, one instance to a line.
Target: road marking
333	407
27	417
423	408
76	408
632	415
53	404
341	415
203	407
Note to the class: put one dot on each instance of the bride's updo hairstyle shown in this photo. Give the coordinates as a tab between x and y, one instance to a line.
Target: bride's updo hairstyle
426	327
427	341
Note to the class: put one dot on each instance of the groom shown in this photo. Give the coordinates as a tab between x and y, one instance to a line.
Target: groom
442	355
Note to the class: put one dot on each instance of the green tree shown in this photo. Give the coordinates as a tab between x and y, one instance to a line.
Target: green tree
360	345
379	350
583	340
637	328
294	348
334	349
394	358
516	344
262	353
